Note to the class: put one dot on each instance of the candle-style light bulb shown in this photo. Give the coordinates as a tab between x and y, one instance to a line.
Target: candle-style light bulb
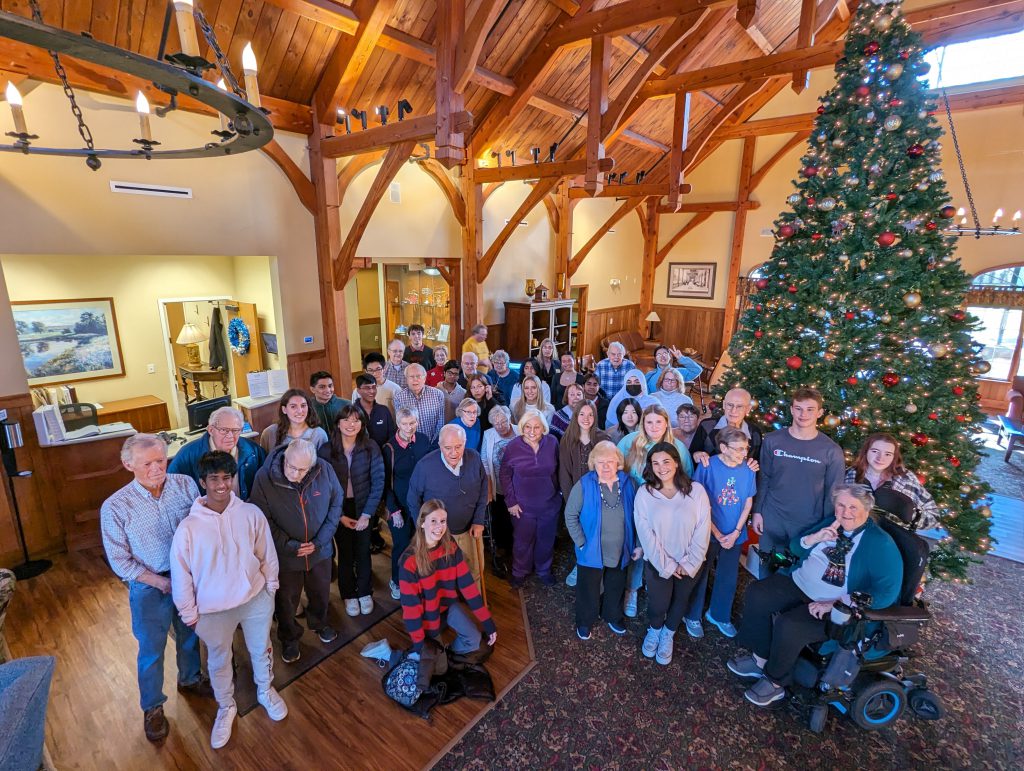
961	212
142	108
252	86
223	118
17	111
183	16
1016	217
997	217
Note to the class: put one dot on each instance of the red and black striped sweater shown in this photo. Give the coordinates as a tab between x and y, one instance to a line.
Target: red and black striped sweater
425	599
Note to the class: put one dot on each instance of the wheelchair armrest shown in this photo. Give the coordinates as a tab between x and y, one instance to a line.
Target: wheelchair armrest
898	613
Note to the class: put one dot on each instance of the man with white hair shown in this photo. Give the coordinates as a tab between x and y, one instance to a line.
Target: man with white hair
611	372
137	524
224	433
735	409
427	401
396	365
301	497
456	476
469	367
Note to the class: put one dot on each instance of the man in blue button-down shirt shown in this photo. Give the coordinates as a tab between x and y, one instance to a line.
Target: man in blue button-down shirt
138	523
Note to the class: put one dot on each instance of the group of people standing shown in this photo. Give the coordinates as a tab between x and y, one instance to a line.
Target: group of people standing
235	532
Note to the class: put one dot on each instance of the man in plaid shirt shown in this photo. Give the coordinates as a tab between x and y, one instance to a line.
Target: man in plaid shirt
137	524
611	372
396	366
427	401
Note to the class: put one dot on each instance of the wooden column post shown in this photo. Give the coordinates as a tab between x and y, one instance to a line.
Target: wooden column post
472	248
739	225
563	236
327	226
652	220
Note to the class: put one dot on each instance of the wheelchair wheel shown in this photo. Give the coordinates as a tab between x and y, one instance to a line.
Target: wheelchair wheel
925	704
819	714
878	705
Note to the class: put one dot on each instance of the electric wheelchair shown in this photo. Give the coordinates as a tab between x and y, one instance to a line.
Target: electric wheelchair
861	670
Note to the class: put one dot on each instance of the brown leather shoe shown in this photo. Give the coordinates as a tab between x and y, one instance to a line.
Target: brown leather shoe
200	688
155	724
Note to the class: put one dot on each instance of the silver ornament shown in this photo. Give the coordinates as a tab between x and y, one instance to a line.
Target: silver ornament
911	408
883	23
893	122
922	114
852	180
827	204
922	186
894	70
905	253
839	143
870	116
794	199
936	176
822	137
843	258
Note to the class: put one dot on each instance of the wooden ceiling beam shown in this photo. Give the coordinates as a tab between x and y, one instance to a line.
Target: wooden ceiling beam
628	205
565	110
396	156
710	207
449	140
746	11
299	181
697	219
757	177
600	70
680	140
625	191
36	64
420	129
570	7
625	17
559	169
805	39
757	37
716	119
472	41
536	195
350	56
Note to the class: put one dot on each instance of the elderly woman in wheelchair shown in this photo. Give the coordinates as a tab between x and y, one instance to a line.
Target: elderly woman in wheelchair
838	557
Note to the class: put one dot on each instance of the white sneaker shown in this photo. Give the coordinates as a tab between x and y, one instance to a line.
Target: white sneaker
396	593
651	640
665	644
352	606
366	605
272	703
570	580
630	604
221	733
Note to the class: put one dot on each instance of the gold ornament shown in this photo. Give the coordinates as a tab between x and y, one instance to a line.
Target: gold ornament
938	350
912	299
832	421
985	511
883	23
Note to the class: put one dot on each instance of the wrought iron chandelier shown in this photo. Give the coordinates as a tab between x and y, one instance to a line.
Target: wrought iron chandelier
961	228
244	124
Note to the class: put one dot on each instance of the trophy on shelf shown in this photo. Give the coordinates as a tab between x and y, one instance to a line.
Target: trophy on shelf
531	287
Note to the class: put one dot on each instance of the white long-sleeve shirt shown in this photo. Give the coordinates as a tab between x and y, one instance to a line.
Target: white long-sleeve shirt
673	531
221	561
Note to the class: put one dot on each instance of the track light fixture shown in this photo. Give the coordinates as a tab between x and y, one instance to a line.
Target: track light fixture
382	113
345	120
511	154
359	115
640	176
551	152
535	152
496	154
404	108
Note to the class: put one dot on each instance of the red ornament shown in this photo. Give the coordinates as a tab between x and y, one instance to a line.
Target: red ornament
821	109
915	151
872	48
891	196
958	390
815	236
787	231
961	418
758	334
792	289
921	478
933	416
852	380
794	362
862	91
762	283
897	102
889	379
919	439
759	307
947	211
855	421
954	462
770	417
850	315
930	226
811	201
904	54
810	171
958	315
886	238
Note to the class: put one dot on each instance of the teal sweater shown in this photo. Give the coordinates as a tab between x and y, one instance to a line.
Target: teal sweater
876	566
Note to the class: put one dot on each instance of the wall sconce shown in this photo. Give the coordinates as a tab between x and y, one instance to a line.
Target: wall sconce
535	152
359	115
615	283
511	154
404	108
345	120
382	113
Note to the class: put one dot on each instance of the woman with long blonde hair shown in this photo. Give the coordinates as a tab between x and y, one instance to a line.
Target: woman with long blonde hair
532	396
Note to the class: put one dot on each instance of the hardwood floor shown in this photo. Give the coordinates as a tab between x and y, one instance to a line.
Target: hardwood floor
338	716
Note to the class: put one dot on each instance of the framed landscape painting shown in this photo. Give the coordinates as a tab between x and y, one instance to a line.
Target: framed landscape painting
691	279
62	341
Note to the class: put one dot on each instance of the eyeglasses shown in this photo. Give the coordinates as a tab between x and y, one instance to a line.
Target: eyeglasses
227	431
738	448
300	471
374	370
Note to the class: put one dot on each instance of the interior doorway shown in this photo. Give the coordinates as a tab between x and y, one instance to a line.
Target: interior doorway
578	321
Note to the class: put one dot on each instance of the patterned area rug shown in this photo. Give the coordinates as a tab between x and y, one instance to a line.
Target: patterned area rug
600	704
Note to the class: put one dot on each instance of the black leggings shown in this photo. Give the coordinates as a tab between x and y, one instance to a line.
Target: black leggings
354	566
667	598
777	624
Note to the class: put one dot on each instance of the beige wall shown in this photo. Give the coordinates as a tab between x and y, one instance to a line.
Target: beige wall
256	281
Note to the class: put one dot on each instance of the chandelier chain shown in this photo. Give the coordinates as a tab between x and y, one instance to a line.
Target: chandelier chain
960	160
83	127
222	60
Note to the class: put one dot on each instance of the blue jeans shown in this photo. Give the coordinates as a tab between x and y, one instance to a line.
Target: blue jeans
153	613
468	636
635	575
724	591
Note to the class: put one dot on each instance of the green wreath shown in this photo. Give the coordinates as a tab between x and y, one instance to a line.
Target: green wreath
238	336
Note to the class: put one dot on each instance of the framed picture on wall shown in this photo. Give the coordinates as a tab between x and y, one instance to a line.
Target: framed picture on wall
691	279
63	341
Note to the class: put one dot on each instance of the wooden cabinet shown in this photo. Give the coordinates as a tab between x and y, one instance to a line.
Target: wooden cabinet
147	414
417	297
528	324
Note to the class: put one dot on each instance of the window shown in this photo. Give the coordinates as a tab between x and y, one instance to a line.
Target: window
977	61
1002	320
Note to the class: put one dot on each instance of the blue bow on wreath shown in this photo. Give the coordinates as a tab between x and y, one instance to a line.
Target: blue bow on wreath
238	336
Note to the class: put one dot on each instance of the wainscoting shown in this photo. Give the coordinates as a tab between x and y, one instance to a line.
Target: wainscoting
302	365
604	321
688	326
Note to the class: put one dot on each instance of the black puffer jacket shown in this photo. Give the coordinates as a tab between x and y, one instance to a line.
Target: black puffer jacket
297	513
367	473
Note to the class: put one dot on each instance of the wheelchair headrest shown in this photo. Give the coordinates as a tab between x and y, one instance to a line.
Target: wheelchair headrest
914	550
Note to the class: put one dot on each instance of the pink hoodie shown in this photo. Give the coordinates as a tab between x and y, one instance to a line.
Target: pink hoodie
672	531
221	561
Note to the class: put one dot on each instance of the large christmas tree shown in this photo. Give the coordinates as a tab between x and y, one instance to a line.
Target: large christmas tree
863	295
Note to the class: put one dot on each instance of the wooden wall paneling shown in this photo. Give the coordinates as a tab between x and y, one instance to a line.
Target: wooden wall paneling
302	365
688	326
495	337
602	322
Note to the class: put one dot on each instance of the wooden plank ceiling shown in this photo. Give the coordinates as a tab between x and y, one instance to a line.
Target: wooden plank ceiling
294	40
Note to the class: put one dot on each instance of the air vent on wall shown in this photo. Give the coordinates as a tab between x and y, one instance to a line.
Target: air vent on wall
141	188
396	193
